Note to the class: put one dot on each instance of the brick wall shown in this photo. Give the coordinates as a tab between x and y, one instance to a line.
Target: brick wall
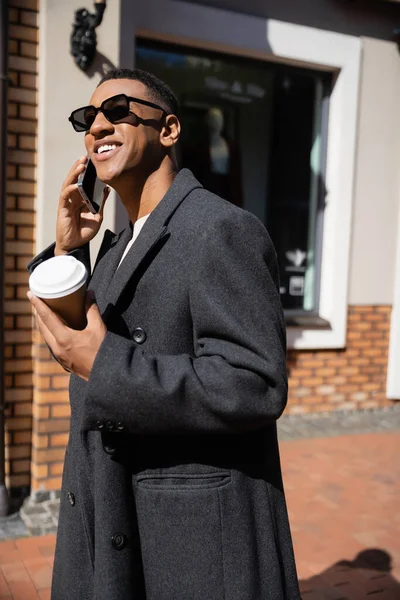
344	379
50	418
20	233
36	387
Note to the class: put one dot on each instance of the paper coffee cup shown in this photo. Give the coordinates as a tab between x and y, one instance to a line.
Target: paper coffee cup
61	283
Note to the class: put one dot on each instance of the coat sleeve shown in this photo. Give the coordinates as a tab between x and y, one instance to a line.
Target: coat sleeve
82	254
236	379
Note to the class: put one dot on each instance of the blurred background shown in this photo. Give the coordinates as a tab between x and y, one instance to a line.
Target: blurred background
302	100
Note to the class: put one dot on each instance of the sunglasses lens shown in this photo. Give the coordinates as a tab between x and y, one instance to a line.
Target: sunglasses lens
82	118
77	120
89	115
116	109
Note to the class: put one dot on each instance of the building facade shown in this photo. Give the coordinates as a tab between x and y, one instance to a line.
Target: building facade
307	106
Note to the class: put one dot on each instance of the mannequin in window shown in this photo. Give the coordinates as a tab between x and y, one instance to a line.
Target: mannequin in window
223	170
214	159
218	148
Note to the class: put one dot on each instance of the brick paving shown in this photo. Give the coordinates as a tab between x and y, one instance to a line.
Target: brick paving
343	494
26	567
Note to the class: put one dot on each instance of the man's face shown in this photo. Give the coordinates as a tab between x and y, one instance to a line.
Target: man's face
136	146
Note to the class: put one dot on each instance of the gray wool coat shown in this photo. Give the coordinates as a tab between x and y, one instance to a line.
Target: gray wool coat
172	485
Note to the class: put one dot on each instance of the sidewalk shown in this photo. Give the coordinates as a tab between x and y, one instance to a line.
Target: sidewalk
343	496
26	566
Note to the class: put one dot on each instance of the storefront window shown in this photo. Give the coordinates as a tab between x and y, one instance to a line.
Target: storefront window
253	132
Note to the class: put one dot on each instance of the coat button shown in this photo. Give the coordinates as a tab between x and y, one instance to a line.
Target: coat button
111	426
111	450
119	541
120	426
71	498
99	425
139	335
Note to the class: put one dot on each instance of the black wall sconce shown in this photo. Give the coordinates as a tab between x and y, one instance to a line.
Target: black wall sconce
83	37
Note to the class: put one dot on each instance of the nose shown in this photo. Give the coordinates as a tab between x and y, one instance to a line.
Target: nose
100	125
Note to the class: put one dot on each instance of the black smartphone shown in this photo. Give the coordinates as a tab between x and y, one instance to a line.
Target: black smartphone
87	187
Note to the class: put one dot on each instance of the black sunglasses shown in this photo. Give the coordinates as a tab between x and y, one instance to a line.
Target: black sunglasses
115	109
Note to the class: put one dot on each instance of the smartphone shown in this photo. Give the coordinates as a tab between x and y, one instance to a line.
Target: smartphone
88	189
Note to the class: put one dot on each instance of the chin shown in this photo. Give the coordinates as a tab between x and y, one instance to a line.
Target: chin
107	176
107	179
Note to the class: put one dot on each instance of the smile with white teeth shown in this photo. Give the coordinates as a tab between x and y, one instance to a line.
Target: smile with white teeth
106	148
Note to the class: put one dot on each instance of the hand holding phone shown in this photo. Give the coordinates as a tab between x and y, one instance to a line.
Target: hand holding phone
76	224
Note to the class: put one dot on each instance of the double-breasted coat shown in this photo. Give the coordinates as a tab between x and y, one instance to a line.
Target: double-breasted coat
172	485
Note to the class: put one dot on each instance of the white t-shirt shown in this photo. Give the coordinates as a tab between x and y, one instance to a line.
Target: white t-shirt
137	227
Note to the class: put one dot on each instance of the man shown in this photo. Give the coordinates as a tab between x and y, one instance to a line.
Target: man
172	486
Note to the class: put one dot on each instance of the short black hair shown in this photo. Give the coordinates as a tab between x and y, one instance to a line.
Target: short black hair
159	91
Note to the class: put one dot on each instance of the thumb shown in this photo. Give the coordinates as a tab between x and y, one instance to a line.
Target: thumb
93	316
90	299
91	307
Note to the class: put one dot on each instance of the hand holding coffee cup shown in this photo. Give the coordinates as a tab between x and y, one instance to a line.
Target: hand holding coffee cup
61	283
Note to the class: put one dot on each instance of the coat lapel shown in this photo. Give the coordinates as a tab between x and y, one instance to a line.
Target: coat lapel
112	248
154	231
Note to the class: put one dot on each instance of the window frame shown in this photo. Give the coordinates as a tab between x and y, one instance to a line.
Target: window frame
294	316
227	32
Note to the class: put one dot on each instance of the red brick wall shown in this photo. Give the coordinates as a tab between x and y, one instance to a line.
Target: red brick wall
37	412
344	379
50	418
20	234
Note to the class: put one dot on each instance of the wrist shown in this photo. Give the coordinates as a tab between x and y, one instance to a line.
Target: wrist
59	251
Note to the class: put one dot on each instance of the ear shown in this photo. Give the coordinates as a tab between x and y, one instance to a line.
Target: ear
170	132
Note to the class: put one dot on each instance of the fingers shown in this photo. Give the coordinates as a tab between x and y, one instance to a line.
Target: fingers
76	169
71	180
70	195
44	332
48	323
50	326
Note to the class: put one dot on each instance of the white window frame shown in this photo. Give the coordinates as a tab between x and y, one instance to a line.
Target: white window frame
235	33
393	372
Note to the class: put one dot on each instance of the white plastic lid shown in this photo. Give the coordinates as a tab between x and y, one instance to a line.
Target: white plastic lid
57	277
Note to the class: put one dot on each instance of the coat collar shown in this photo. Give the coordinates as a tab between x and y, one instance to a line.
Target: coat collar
154	232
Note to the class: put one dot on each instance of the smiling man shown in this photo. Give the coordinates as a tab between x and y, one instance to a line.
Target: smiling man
172	485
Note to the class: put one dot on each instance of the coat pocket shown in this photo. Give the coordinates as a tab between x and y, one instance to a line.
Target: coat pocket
180	531
183	482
